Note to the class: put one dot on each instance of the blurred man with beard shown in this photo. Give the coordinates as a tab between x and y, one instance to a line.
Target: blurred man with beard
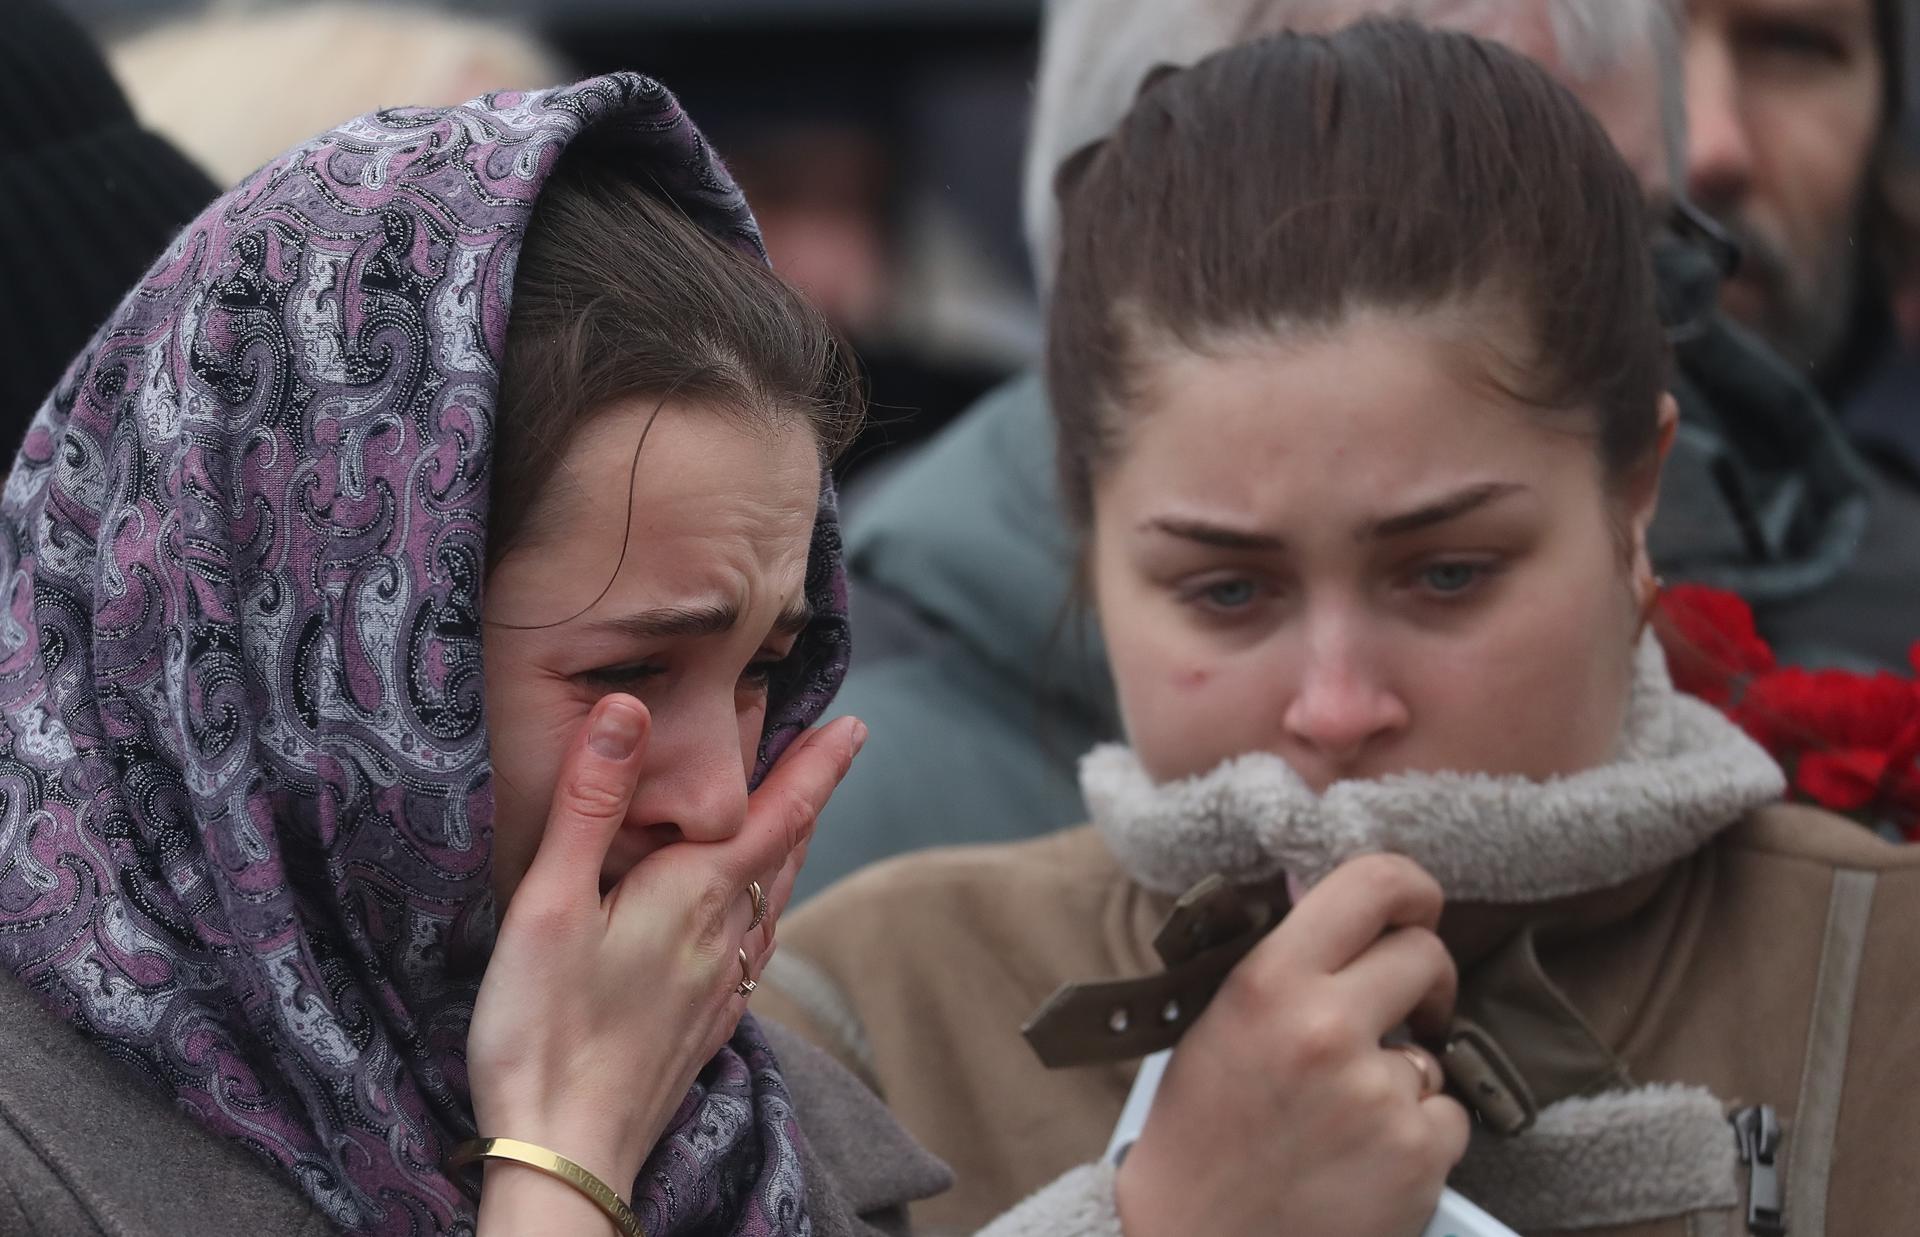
1793	110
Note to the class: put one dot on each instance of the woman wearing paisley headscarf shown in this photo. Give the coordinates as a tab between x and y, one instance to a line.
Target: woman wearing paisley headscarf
440	527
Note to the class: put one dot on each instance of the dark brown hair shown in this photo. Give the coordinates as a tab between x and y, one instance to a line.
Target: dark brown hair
1284	184
618	295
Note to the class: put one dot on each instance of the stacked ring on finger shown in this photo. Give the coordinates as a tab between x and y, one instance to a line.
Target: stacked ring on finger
746	985
759	899
1432	1081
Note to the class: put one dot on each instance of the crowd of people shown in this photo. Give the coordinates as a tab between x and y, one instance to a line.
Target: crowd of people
460	772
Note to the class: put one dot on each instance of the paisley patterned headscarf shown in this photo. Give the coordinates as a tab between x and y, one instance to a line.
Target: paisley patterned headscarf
245	811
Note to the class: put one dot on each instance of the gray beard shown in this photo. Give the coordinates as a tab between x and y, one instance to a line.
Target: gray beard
1806	319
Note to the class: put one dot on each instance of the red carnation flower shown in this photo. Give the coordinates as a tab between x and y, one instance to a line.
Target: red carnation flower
1849	742
1792	709
1845	781
1710	640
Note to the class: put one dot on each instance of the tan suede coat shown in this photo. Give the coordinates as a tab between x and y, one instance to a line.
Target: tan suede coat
1774	966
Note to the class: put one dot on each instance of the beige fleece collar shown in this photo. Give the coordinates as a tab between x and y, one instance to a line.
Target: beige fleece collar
1683	773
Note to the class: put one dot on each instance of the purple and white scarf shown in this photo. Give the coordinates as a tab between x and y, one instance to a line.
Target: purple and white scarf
245	799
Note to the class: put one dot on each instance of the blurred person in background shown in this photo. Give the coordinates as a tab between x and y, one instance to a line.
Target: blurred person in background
822	140
237	85
88	197
1795	145
825	156
878	161
982	684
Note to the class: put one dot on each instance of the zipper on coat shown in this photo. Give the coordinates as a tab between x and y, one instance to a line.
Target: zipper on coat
1757	1131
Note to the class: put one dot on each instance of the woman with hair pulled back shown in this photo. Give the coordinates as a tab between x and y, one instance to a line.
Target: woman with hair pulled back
1360	387
419	595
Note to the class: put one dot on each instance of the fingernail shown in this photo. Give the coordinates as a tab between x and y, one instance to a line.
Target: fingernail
616	732
859	738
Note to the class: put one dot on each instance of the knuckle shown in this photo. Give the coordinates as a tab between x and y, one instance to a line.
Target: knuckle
1393	876
538	919
1248	989
591	798
801	814
711	904
1375	878
1320	1036
1456	1130
1372	1091
1423	884
1407	1141
1433	953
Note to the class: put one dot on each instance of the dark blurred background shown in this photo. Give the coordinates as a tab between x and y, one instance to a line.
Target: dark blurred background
879	140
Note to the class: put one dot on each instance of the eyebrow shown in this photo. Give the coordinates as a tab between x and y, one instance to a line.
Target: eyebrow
1451	507
1218	536
694	622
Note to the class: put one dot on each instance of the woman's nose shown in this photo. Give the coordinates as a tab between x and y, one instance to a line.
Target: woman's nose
693	780
1343	705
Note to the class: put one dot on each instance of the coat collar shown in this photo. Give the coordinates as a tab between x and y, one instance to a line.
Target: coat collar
1681	774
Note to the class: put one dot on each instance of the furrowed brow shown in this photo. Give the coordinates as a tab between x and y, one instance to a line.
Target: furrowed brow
1216	535
1452	507
672	622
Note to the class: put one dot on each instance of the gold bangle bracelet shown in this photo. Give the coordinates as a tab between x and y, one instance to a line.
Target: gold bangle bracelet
554	1165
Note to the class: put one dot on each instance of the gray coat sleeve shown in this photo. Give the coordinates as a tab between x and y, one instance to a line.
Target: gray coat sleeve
88	1148
862	1167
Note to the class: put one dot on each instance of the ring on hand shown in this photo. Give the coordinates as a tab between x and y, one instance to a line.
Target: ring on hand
759	896
1422	1061
746	985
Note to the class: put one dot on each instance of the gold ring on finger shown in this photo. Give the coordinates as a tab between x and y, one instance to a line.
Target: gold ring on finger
746	985
1423	1063
759	897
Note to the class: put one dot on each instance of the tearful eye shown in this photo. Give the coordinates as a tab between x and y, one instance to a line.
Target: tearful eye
759	672
624	677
